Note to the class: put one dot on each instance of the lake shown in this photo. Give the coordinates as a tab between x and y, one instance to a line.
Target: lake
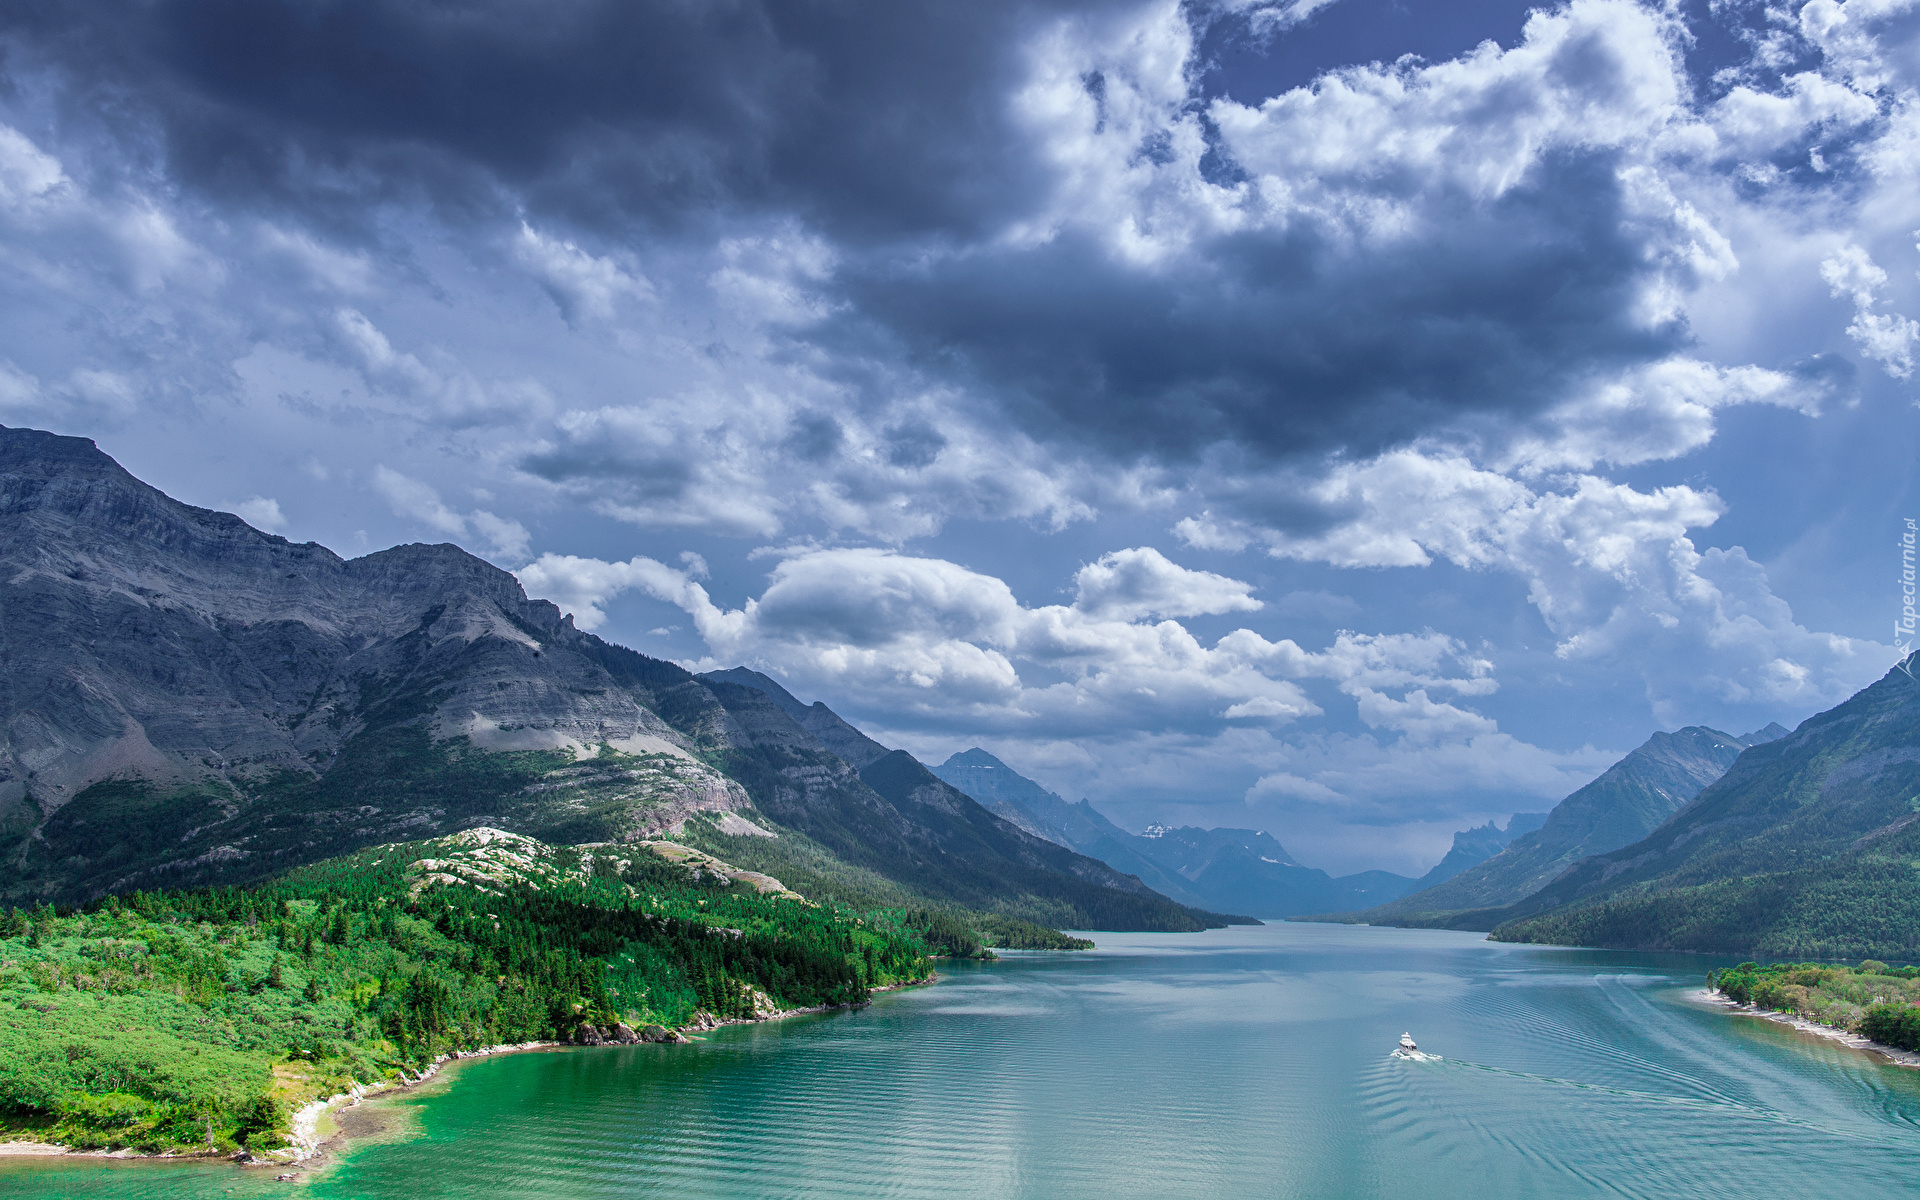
1240	1062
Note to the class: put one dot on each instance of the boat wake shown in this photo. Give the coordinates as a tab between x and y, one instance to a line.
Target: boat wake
1712	1103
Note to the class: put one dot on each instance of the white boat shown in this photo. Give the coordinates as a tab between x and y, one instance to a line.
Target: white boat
1406	1042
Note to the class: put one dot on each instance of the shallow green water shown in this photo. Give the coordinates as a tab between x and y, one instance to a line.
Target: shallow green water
1245	1062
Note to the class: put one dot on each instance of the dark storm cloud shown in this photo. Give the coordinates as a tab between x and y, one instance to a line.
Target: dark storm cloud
866	119
1284	344
892	133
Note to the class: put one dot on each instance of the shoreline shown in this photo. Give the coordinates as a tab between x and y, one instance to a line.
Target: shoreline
308	1149
1853	1041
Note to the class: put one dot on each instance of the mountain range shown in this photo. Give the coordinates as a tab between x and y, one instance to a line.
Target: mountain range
1627	802
185	699
1801	844
1238	870
1472	847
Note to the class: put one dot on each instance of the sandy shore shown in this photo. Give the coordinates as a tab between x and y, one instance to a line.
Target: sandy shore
309	1144
304	1129
36	1149
1904	1058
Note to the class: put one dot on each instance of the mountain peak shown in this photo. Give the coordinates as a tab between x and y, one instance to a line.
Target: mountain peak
39	446
1803	848
975	757
1628	800
821	723
748	677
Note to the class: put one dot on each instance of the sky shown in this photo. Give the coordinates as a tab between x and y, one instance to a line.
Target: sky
1352	419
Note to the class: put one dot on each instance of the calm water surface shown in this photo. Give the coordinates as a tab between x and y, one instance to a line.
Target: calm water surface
1244	1062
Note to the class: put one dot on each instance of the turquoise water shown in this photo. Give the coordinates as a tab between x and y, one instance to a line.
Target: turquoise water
1243	1062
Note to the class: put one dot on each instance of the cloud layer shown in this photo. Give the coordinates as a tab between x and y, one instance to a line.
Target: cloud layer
885	289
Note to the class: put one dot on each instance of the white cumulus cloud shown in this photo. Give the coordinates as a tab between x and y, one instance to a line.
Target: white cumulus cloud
408	497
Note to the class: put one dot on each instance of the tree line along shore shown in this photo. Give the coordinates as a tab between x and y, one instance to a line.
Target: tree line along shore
199	1021
1871	1000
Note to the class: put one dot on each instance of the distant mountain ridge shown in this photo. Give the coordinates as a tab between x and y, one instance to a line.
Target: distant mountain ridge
1230	870
1807	847
1628	800
184	699
1474	846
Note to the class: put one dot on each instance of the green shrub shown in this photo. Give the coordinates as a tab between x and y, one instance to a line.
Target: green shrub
1896	1025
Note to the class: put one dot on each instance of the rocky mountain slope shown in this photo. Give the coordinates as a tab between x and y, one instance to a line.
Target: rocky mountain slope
825	726
1236	870
1808	846
185	699
1471	847
1628	801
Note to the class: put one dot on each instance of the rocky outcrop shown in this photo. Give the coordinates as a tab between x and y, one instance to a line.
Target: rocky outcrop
494	860
618	1034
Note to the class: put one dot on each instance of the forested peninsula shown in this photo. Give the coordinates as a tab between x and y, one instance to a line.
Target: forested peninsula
199	1021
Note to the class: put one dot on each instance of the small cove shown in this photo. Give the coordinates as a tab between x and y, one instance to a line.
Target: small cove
1238	1062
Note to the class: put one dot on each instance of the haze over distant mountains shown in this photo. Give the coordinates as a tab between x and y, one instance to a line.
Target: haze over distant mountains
1237	870
1473	846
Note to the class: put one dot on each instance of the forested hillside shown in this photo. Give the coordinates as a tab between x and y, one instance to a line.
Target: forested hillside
1805	848
199	1019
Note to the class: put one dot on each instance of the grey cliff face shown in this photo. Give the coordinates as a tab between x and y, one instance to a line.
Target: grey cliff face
145	639
828	731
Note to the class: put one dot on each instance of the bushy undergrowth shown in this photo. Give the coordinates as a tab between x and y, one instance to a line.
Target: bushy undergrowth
201	1019
1872	999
